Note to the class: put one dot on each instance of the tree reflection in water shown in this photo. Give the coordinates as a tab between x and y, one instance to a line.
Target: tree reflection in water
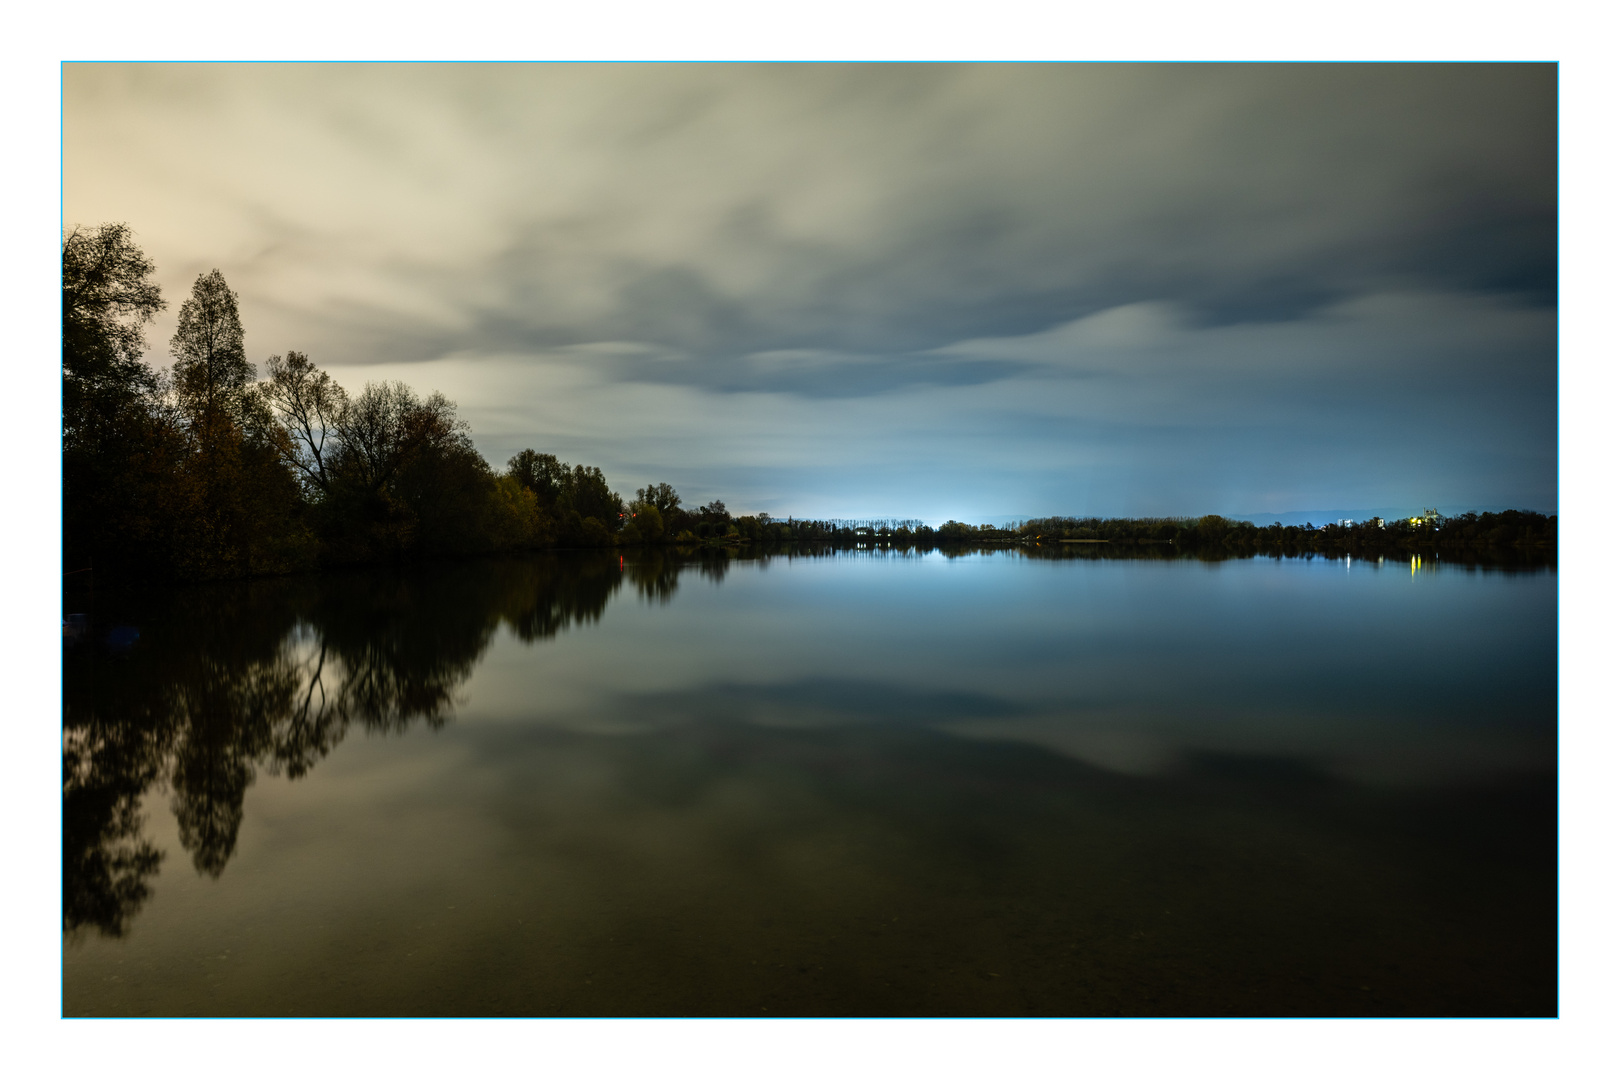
226	681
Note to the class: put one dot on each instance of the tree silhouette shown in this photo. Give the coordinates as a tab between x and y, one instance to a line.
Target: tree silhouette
309	405
117	449
211	368
106	301
661	496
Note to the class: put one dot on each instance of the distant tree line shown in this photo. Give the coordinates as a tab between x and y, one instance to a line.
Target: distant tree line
1515	530
1520	530
205	470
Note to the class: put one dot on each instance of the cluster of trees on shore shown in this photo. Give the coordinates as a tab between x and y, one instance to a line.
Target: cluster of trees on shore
205	470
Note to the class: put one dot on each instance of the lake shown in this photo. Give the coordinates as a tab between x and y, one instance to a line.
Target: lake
817	781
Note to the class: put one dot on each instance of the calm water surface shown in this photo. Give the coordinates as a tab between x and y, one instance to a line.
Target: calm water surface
817	783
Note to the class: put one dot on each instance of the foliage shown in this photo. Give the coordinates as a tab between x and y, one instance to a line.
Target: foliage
586	492
646	524
542	474
116	445
106	301
662	497
308	403
211	369
235	508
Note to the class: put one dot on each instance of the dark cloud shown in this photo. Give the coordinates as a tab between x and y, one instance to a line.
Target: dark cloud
818	375
739	209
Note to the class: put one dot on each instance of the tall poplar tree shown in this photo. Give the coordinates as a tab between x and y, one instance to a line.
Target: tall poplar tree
211	368
238	508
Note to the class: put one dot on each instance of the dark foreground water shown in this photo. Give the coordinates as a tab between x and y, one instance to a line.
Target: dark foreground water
836	783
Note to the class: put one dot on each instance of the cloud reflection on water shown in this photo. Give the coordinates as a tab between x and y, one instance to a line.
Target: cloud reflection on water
1137	668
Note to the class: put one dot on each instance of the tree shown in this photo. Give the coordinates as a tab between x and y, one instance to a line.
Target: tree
120	445
660	495
588	495
309	405
211	369
403	475
106	301
592	533
515	515
236	506
648	522
542	474
382	429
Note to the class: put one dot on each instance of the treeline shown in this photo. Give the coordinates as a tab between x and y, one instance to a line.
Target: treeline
1520	530
1516	530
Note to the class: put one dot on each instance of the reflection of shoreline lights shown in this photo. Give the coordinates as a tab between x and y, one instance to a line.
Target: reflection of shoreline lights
1419	566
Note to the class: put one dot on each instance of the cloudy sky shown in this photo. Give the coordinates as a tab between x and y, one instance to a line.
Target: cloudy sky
977	292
